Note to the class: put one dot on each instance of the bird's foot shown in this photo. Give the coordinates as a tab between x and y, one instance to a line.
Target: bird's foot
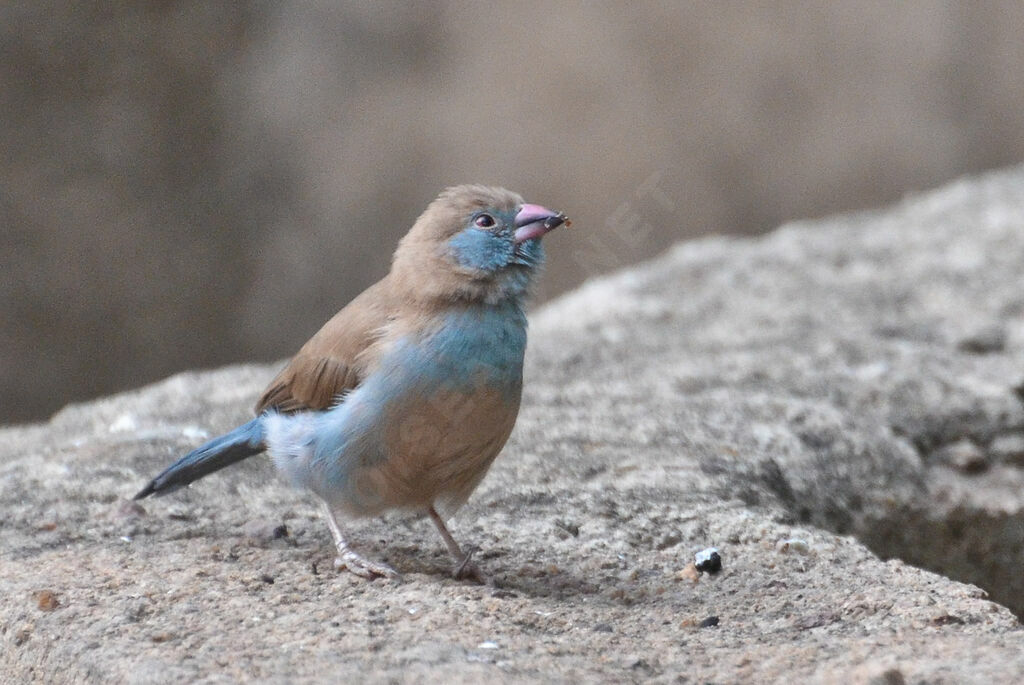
466	569
351	560
363	567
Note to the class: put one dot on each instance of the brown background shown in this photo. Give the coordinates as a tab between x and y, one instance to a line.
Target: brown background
188	185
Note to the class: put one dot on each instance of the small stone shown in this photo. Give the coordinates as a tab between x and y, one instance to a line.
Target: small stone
709	622
603	628
963	455
129	509
708	561
568	527
267	578
816	621
792	545
47	600
690	573
640	665
264	531
125	423
1008	449
669	540
487	645
892	676
161	637
136	611
947	619
985	341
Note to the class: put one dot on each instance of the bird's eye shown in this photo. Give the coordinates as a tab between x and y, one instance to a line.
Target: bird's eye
484	221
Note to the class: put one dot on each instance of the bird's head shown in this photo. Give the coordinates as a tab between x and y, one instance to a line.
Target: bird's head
474	243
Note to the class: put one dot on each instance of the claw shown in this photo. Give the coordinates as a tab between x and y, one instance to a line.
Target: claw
363	567
351	560
464	566
468	570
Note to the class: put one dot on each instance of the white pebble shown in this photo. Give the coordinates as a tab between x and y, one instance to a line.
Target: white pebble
792	545
125	423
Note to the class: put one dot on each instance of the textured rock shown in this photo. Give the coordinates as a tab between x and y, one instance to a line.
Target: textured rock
771	398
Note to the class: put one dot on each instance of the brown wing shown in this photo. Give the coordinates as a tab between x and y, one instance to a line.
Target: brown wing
327	366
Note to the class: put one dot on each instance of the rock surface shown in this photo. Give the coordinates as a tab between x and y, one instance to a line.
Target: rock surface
857	376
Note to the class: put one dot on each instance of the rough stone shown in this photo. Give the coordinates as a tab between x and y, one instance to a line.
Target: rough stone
733	393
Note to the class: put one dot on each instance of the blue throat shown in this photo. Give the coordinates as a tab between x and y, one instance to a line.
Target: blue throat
481	345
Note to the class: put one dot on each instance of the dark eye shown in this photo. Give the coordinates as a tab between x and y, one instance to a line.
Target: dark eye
484	221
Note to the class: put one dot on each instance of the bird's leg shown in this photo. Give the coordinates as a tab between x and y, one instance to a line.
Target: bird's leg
464	566
350	559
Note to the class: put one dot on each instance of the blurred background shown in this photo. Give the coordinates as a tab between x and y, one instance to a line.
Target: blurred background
186	185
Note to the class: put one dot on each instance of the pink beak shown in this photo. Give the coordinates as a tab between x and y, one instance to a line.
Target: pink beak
533	221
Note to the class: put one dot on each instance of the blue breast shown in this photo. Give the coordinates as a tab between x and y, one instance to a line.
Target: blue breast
480	345
477	349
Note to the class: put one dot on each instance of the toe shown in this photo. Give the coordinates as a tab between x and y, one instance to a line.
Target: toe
468	570
364	568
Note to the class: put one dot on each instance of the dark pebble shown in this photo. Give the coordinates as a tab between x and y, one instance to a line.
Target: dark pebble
569	527
709	622
948	620
603	628
893	676
265	531
708	561
986	341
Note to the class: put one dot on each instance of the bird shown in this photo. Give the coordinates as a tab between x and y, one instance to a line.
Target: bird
405	397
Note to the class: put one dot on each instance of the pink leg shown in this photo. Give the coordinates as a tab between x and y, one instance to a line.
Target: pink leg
464	566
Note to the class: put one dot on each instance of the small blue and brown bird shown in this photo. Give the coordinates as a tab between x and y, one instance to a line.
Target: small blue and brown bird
406	396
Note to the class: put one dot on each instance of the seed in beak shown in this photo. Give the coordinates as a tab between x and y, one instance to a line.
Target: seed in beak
556	221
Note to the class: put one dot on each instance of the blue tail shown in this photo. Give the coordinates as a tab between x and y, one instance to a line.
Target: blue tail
239	444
